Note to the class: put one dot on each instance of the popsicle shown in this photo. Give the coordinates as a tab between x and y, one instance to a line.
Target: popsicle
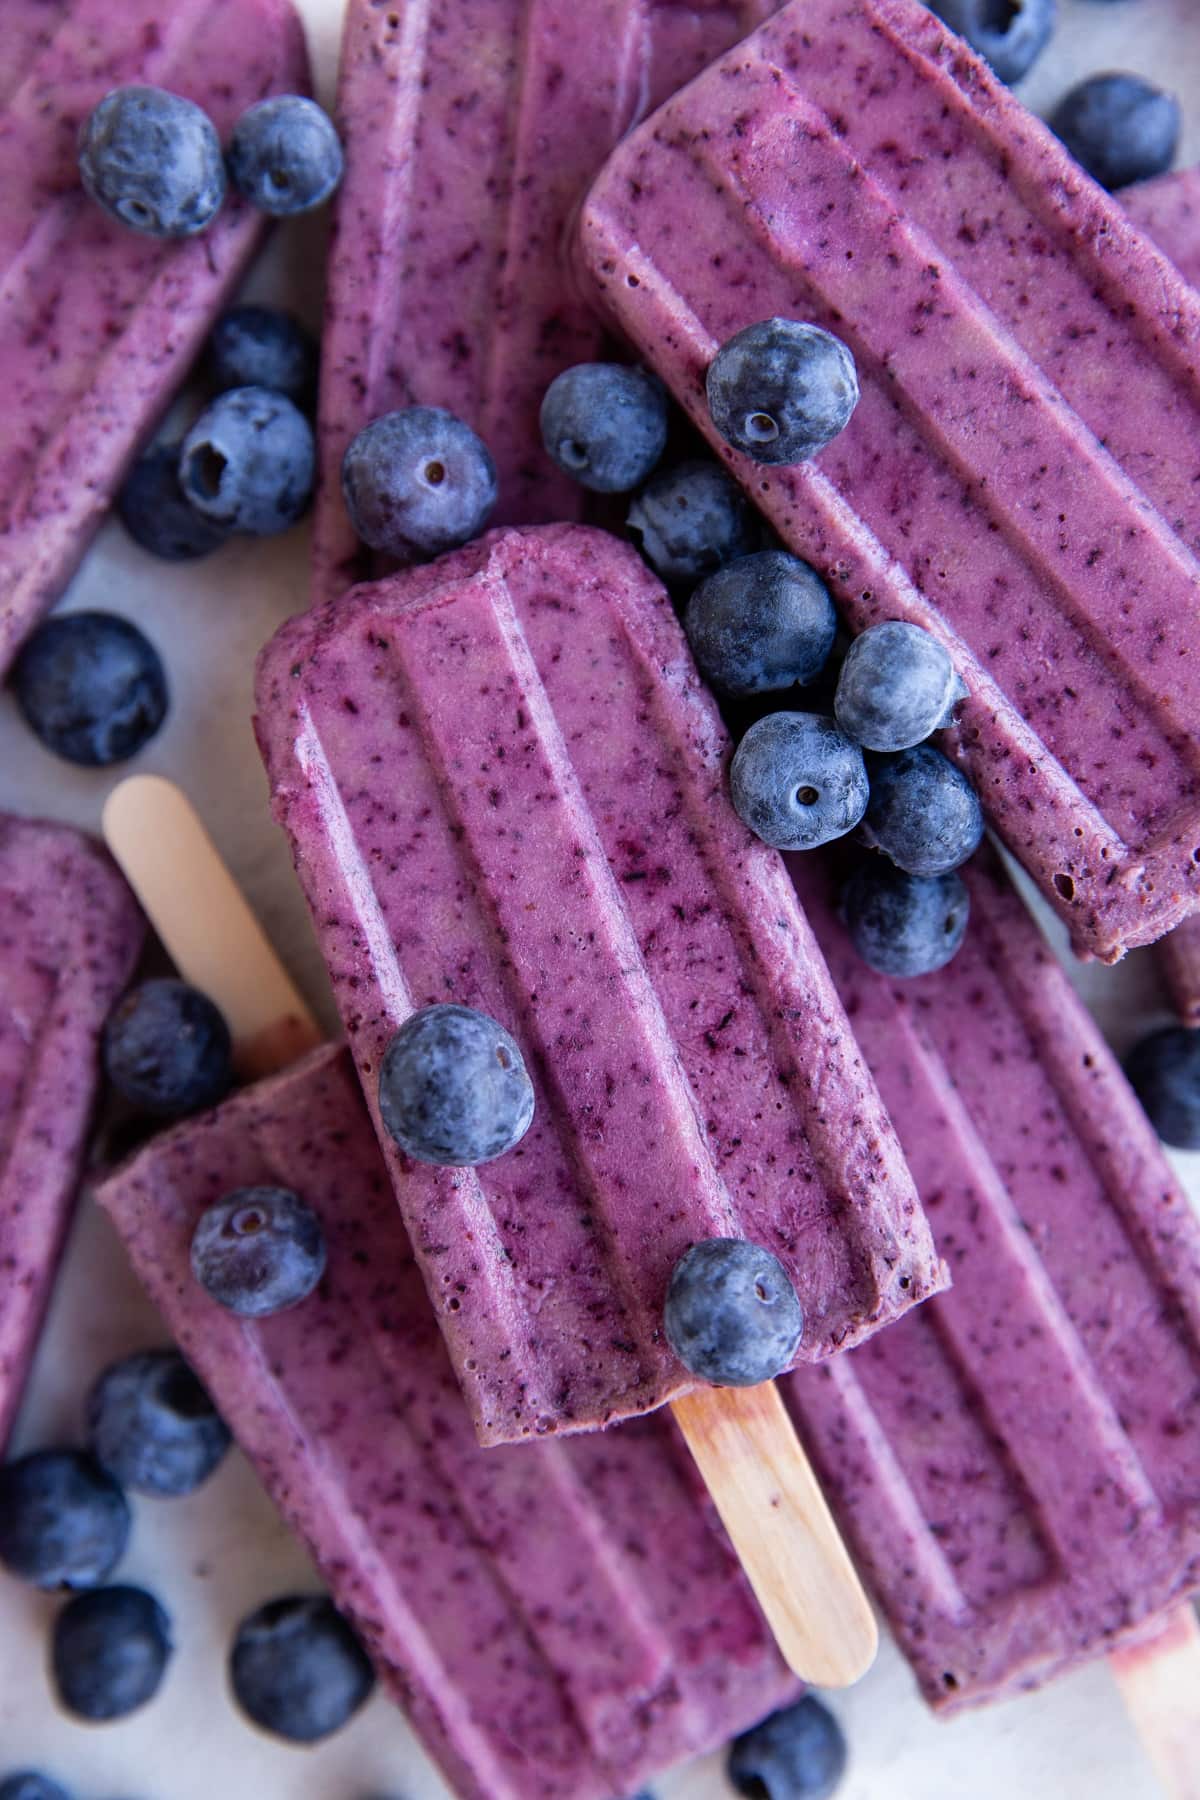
98	325
1017	474
70	934
471	130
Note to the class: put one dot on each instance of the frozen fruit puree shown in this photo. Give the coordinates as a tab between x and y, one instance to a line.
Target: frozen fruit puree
99	325
515	1601
1018	474
1016	1464
70	933
505	787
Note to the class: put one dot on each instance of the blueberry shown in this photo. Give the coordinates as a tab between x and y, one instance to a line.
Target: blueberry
153	160
258	1250
923	812
691	520
904	924
418	482
605	424
1009	34
110	1652
731	1314
762	623
298	1670
249	462
153	1426
1121	128
153	510
167	1049
64	1522
30	1784
896	685
285	155
799	1753
781	390
453	1088
797	781
1164	1072
259	346
91	688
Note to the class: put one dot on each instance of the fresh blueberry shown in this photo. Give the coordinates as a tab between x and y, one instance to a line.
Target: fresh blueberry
285	155
259	346
731	1314
167	1049
1009	34
91	688
781	390
923	812
690	521
896	685
30	1784
605	424
153	1426
110	1652
153	510
799	1753
418	482
64	1522
1164	1072
797	781
453	1088
762	623
1121	128
259	1250
298	1670
248	462
153	160
904	924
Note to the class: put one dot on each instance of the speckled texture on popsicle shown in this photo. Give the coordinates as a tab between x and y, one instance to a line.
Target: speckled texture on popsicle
505	786
517	1602
1168	211
70	933
98	325
1017	1464
1019	474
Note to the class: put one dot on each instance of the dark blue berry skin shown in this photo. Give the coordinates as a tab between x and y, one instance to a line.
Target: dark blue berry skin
690	521
30	1784
1010	36
761	624
248	463
64	1522
418	482
110	1652
259	1250
167	1049
731	1314
91	687
297	1670
1121	128
154	511
152	1425
285	156
797	781
153	160
453	1087
901	924
1164	1072
923	812
798	1753
259	346
781	390
897	684
605	425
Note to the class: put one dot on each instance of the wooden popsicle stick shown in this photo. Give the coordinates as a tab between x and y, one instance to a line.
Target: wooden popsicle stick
1159	1680
199	913
779	1522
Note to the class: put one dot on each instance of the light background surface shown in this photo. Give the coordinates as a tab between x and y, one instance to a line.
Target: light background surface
213	1557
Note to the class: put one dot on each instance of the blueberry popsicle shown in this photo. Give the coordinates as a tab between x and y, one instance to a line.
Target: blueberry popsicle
98	324
1016	476
70	933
